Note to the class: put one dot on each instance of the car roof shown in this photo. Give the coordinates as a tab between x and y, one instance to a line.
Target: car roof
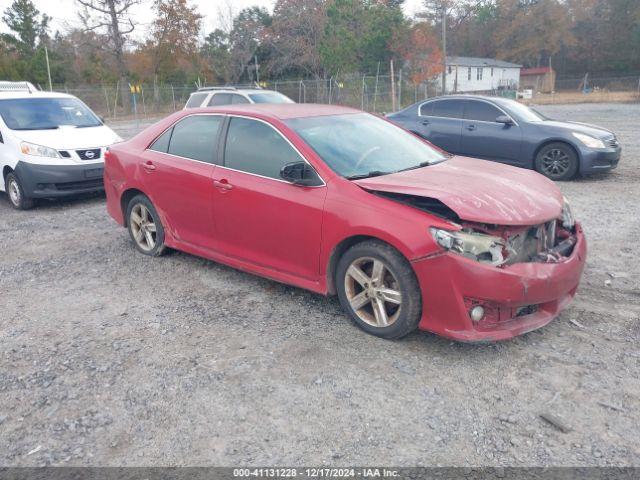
464	96
280	111
35	94
235	90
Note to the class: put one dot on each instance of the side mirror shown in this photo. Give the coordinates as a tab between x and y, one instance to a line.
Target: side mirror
300	173
506	119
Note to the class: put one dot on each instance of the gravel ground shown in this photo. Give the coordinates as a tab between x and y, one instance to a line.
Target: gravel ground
108	357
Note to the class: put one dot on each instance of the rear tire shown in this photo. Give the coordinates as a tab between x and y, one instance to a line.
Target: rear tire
557	161
17	198
145	227
379	290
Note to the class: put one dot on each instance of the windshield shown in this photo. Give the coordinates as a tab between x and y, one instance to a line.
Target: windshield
362	145
269	97
524	113
46	113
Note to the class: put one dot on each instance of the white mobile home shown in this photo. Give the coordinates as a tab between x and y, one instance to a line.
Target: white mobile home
473	74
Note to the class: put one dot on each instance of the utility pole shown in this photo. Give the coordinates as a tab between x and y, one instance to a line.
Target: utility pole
46	56
393	87
255	59
444	47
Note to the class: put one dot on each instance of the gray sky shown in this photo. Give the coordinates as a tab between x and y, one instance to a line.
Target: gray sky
64	13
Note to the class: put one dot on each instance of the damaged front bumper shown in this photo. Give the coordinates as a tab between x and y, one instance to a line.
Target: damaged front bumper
515	298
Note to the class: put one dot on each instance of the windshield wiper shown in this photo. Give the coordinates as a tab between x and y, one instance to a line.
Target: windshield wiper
38	128
373	173
420	165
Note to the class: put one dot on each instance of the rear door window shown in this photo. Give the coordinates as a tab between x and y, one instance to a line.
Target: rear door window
426	109
162	142
220	99
196	137
196	100
447	108
236	99
481	111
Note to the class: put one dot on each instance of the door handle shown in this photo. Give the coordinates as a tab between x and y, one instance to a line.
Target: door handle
425	122
149	166
471	128
222	185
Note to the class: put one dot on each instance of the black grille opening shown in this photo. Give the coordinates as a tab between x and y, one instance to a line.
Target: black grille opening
526	310
95	183
90	154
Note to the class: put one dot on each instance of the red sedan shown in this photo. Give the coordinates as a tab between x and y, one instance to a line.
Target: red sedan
339	201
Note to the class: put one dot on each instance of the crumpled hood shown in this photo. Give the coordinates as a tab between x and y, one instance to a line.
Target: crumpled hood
478	190
68	138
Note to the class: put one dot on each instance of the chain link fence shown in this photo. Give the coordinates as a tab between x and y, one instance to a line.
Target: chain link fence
628	83
372	93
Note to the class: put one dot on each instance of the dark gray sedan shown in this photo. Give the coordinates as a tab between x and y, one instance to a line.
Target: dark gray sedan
509	132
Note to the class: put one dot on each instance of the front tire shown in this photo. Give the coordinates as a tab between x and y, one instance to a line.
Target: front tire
379	290
17	197
145	227
557	161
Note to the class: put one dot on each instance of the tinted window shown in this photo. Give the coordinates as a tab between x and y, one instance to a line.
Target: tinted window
481	111
447	108
426	108
255	147
195	137
162	142
220	99
196	100
235	99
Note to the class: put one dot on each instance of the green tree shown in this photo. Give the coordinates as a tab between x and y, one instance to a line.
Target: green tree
174	39
28	26
245	42
358	34
531	32
216	55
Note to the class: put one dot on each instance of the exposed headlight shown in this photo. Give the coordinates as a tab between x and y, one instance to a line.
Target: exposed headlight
589	141
38	150
568	221
476	246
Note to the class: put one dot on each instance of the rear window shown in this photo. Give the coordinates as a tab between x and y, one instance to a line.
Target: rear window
196	99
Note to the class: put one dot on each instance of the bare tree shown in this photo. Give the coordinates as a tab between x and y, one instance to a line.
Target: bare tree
114	18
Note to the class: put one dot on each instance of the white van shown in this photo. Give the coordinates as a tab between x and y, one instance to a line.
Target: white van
51	145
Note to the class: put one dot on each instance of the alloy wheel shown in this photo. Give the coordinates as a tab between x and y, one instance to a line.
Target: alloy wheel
373	292
143	227
555	162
